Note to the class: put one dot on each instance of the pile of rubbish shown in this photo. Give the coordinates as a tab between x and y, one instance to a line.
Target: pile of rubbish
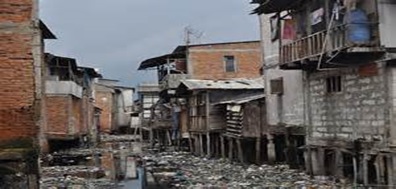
118	138
182	170
77	183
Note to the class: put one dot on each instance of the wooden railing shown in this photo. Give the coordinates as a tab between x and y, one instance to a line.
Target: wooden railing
303	48
315	44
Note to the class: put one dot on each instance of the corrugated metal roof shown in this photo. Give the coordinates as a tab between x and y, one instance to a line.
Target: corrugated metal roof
195	84
242	100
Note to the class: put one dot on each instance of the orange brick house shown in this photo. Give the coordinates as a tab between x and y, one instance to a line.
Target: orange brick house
21	57
70	110
63	96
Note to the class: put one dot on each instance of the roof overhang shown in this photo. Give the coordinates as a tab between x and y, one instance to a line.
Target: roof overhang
274	6
46	32
160	60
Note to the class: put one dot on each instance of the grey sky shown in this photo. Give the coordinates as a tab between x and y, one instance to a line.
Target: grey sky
116	35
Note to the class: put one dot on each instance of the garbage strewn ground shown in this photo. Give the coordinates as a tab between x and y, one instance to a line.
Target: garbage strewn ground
182	170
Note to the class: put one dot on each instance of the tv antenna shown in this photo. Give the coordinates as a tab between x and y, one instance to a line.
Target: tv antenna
191	33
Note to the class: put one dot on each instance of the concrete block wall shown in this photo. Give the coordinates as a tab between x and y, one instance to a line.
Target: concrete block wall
359	111
207	61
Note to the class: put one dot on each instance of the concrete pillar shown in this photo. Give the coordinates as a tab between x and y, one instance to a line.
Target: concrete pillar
339	164
391	169
365	168
258	150
271	149
317	156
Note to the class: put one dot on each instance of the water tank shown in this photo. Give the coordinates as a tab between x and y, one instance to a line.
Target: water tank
358	27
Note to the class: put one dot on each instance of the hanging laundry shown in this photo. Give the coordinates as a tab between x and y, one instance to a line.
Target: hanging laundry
317	16
289	29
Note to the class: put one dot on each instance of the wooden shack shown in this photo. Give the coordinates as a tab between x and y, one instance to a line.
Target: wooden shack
246	121
207	118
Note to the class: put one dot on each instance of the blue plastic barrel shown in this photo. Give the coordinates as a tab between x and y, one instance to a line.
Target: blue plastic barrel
358	27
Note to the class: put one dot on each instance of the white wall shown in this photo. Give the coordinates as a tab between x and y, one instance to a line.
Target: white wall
289	107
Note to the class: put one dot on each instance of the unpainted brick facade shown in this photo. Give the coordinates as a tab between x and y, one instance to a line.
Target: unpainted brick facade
207	61
104	100
21	54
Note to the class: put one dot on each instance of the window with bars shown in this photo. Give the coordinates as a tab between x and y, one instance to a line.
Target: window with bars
333	84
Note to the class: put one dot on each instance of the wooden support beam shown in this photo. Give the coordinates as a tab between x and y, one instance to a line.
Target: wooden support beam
240	151
151	136
222	147
258	150
230	148
208	147
190	143
201	147
168	137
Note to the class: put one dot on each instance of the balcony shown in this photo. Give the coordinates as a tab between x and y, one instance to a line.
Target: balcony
63	88
333	45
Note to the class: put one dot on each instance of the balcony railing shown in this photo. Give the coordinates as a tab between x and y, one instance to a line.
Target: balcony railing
324	42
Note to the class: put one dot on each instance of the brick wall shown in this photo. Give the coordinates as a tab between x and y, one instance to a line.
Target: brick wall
207	61
18	111
57	114
104	100
359	111
64	116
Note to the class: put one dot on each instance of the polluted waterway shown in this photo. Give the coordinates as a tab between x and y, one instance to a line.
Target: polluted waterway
183	170
110	165
121	163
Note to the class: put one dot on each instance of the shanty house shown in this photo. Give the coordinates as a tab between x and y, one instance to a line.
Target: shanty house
345	52
206	120
245	119
212	61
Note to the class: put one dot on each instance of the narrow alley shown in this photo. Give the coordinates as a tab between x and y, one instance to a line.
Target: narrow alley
135	94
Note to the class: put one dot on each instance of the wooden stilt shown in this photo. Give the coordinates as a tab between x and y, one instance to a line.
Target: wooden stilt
190	143
196	143
222	147
240	151
258	150
151	136
201	148
168	136
208	147
230	148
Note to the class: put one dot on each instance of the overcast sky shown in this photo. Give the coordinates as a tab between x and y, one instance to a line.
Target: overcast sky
116	35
